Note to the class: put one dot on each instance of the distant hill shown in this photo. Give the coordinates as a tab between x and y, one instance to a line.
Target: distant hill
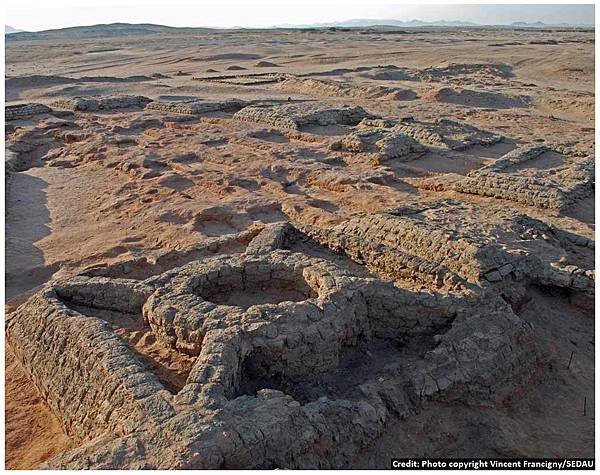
104	30
379	23
130	29
362	22
8	30
537	24
541	24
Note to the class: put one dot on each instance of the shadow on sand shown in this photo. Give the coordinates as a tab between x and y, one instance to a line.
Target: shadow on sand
27	222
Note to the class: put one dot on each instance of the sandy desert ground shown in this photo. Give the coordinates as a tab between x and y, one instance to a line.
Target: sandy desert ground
236	131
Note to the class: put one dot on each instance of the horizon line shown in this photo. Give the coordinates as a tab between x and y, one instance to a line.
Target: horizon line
325	24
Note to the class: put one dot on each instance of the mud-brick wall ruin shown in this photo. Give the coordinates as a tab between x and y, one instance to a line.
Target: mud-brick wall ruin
101	103
194	107
557	191
402	246
267	318
24	111
293	117
301	336
81	367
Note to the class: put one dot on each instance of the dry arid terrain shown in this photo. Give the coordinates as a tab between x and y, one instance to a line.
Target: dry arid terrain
299	248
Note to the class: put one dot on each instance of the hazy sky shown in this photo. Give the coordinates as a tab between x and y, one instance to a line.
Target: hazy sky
27	15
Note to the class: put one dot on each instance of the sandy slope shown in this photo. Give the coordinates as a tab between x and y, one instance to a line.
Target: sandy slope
33	433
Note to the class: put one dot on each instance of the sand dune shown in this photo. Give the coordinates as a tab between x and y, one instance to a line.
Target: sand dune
474	98
266	64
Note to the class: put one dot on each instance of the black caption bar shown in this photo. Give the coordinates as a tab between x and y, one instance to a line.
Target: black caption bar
492	464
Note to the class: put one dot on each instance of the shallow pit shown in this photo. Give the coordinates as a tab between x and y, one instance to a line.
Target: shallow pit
366	361
246	287
546	161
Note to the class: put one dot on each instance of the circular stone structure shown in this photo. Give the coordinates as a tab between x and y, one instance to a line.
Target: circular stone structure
249	284
207	292
295	363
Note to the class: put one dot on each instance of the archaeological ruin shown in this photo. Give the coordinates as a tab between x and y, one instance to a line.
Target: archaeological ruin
291	279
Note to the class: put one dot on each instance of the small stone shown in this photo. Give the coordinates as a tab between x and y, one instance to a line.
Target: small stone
493	276
506	269
580	282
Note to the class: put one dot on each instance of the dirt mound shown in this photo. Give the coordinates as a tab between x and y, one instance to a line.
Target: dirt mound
386	144
136	78
41	81
477	70
393	74
455	73
340	71
573	104
230	56
266	64
235	67
36	81
319	87
477	98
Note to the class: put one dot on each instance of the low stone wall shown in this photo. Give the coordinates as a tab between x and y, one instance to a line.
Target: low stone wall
92	104
270	238
24	111
516	157
401	247
527	191
385	144
536	192
197	106
86	373
432	252
387	261
446	133
244	79
558	191
295	116
179	313
471	360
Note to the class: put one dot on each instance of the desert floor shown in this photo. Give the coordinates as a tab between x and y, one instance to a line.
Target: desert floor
112	185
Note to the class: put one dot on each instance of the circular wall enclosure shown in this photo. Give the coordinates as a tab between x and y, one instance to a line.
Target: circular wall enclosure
255	283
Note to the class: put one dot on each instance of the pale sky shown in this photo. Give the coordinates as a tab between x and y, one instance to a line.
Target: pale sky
27	14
